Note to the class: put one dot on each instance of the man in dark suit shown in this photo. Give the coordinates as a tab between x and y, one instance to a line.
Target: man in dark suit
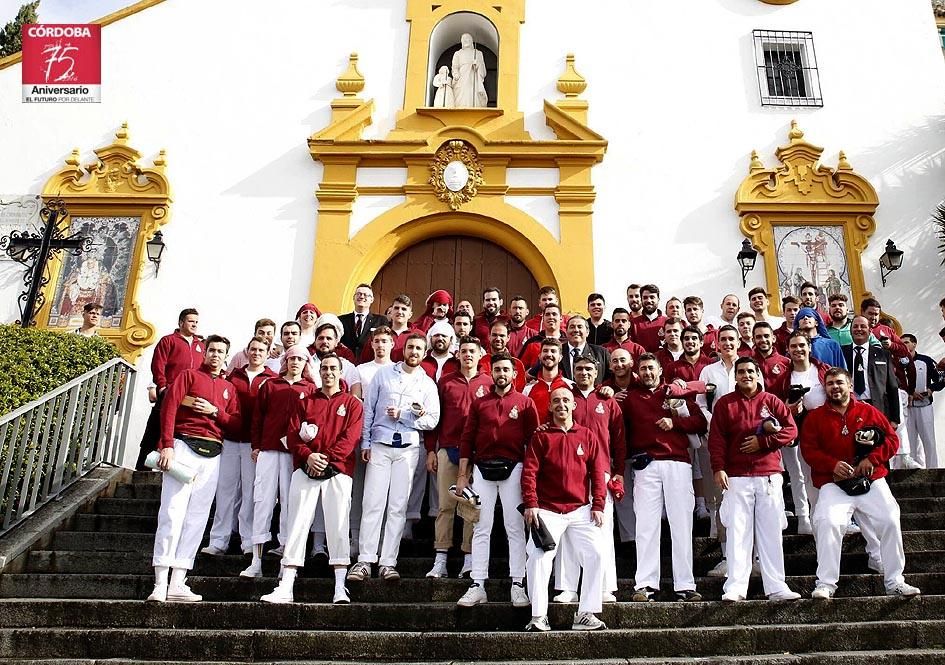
578	346
874	375
359	323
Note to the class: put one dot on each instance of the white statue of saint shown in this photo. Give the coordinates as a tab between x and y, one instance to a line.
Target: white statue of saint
469	71
443	83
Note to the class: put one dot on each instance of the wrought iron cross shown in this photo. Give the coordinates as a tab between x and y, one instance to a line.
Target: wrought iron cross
35	251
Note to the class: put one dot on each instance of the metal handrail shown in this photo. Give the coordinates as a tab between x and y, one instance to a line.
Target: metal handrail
51	442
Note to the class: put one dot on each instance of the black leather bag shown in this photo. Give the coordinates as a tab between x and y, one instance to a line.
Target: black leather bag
640	461
496	469
855	486
329	471
540	534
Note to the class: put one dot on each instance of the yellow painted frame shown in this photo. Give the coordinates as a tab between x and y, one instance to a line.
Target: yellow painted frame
114	186
803	192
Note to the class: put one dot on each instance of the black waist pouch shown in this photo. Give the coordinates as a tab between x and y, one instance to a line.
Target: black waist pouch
202	447
640	461
329	471
855	486
540	534
496	469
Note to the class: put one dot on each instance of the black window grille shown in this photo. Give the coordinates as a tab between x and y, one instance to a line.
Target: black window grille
787	68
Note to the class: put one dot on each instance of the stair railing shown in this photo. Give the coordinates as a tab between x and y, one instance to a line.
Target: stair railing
50	443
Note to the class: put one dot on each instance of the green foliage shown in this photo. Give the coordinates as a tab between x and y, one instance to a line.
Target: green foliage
35	361
11	38
938	219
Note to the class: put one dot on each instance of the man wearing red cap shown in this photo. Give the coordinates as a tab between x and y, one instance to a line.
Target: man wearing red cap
439	308
306	316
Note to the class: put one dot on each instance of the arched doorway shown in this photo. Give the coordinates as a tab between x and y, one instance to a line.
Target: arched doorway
462	265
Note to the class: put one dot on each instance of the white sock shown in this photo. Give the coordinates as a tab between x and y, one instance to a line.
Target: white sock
518	580
257	554
160	575
481	583
340	578
288	576
440	557
178	575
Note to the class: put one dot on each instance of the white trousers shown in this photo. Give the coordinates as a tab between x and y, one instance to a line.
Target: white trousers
905	443
921	426
752	511
876	510
509	492
568	570
273	477
799	473
624	513
387	482
234	496
304	493
184	509
587	542
664	483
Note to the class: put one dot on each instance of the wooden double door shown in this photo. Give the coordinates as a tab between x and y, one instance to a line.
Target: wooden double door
462	265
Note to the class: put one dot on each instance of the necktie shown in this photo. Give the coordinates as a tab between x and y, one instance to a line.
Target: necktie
359	321
859	376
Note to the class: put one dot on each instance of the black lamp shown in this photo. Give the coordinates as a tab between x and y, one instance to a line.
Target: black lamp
890	260
746	259
155	249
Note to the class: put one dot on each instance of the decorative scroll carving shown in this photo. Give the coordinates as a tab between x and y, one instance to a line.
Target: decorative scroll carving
456	173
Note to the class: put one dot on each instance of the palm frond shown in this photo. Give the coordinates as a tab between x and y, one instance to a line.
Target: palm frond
938	219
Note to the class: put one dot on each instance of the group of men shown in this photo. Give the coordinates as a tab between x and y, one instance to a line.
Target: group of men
570	423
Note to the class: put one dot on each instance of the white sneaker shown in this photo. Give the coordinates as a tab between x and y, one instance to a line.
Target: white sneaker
587	621
282	594
903	589
359	572
538	625
804	527
159	595
732	597
822	592
906	462
342	597
438	570
784	595
253	570
852	529
212	550
875	565
566	597
475	595
519	595
608	597
720	570
182	594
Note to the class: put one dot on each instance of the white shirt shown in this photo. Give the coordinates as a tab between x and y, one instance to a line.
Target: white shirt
810	379
866	363
367	371
392	386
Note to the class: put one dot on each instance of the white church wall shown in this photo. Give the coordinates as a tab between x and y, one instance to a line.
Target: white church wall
672	86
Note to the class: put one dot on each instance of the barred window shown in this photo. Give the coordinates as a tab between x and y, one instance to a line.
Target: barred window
787	68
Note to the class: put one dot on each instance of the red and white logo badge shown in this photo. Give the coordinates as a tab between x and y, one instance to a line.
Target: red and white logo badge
62	63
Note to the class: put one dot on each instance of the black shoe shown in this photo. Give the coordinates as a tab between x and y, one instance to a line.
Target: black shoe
644	595
688	596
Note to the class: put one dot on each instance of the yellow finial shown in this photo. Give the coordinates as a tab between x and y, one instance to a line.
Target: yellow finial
351	82
122	134
73	159
756	164
795	134
161	160
570	82
842	163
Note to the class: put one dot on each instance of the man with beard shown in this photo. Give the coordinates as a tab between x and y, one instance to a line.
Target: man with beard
519	331
728	311
494	440
457	392
328	331
749	427
648	327
439	308
759	301
201	408
322	438
599	328
289	335
550	329
822	347
498	340
843	440
694	309
659	453
563	489
401	310
603	417
579	346
440	360
839	328
462	326
634	301
491	311
549	375
400	403
672	348
181	350
810	298
790	306
620	338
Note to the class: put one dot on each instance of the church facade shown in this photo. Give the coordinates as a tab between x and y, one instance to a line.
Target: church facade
288	156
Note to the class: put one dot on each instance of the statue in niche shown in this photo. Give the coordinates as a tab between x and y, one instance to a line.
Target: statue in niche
469	72
443	83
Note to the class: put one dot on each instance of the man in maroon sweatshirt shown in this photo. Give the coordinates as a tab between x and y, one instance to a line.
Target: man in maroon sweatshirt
563	467
200	409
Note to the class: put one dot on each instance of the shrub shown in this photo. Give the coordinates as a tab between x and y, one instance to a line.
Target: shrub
34	361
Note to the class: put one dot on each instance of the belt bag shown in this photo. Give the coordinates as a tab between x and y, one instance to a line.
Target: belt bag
203	447
329	471
540	534
453	455
496	469
855	486
640	461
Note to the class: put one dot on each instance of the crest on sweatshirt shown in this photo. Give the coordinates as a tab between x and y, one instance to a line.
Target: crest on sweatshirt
776	369
580	450
301	395
764	413
342	411
197	348
513	414
600	408
480	392
226	393
661	333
